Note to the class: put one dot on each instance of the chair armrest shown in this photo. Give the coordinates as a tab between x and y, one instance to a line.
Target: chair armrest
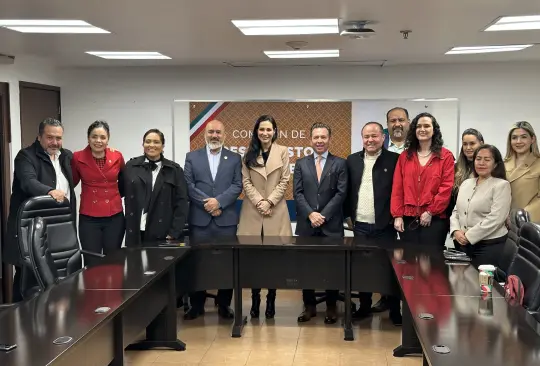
92	254
7	306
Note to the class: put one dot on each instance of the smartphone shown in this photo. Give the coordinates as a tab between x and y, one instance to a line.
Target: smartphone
7	347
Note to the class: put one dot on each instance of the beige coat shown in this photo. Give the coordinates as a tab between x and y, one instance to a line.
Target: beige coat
525	183
481	211
268	182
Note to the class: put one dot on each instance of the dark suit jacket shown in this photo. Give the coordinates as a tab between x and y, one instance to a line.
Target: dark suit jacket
383	174
34	176
326	197
168	202
226	188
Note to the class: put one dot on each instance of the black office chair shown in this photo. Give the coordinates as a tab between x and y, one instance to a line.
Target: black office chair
517	218
61	236
526	264
506	259
46	271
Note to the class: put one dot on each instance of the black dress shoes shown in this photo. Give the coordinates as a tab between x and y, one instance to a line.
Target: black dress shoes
225	312
331	315
381	306
361	313
309	312
193	313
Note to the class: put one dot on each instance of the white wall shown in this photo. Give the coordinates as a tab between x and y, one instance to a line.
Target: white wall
30	69
491	96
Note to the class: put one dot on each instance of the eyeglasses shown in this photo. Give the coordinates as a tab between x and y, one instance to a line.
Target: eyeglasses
413	225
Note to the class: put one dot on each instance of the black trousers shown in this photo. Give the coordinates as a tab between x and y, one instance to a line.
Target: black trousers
483	252
102	234
370	231
434	234
308	296
224	296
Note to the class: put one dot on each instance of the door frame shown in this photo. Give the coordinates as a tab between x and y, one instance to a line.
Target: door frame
5	192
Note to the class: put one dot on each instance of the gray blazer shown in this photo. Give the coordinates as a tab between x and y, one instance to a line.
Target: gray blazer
226	188
481	211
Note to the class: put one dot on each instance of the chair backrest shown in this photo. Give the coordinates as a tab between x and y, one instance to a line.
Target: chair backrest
61	233
42	262
517	218
526	264
507	257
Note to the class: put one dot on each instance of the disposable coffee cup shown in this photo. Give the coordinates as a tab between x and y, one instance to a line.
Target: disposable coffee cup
486	273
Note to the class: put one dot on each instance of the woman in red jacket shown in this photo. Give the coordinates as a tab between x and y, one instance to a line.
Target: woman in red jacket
101	215
422	184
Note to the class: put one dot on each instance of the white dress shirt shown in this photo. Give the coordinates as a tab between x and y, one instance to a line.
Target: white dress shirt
213	161
154	177
62	184
394	148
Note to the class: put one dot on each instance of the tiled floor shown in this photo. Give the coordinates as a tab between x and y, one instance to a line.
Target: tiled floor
281	341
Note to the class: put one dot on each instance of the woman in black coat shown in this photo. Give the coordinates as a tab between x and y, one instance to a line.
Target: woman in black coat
155	194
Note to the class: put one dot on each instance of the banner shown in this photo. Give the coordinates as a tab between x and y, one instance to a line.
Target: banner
294	120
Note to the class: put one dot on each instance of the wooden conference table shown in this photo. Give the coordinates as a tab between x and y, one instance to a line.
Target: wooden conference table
442	304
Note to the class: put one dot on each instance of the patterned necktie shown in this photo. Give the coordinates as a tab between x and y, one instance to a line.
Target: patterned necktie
318	166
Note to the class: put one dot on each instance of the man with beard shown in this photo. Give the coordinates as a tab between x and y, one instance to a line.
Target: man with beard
43	168
214	181
397	121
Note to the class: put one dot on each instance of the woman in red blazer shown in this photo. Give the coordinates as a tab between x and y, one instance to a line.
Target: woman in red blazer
422	184
101	215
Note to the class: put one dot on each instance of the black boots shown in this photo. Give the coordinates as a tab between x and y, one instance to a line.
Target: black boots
270	304
255	305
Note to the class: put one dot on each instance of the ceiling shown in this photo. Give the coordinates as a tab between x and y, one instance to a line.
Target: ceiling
200	32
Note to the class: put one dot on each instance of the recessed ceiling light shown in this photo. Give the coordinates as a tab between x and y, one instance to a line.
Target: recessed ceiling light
487	49
50	26
434	100
129	55
526	22
287	26
302	54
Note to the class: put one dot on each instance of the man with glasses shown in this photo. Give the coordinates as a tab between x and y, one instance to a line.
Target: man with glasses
370	176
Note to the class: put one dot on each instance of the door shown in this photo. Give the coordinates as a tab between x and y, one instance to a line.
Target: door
38	102
6	272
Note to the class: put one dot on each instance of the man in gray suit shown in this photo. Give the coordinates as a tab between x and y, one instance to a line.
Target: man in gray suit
214	180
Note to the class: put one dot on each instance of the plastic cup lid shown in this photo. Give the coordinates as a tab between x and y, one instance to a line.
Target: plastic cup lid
486	267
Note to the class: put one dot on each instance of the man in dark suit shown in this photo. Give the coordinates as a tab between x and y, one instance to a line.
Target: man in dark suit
214	180
320	187
370	174
43	168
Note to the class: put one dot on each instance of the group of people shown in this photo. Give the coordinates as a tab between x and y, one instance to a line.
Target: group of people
403	183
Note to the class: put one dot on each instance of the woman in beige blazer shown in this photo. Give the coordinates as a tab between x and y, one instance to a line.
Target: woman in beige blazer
478	221
265	177
522	165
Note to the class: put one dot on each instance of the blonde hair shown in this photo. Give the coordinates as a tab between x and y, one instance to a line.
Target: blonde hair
524	125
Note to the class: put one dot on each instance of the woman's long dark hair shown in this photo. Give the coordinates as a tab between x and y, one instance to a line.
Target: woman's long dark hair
412	143
464	167
254	149
499	170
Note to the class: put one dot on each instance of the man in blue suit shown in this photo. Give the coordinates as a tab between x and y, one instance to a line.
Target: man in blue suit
214	180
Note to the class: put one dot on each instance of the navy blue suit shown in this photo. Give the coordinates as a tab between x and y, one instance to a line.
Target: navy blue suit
226	188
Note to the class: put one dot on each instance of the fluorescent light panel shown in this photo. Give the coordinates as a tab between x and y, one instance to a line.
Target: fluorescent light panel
50	26
434	100
487	49
302	54
527	22
112	55
287	26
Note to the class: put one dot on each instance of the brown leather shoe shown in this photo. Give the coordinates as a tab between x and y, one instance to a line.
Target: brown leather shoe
309	312
331	315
